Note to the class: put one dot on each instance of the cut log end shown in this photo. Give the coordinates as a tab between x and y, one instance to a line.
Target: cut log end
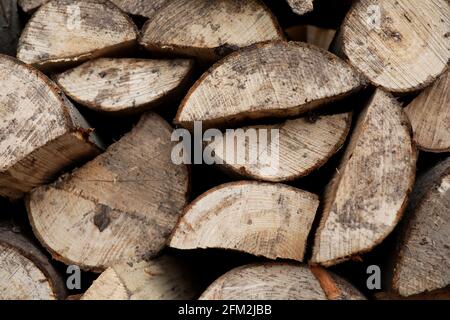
213	30
421	264
41	132
401	46
272	281
429	114
164	278
64	32
25	272
270	220
295	149
125	85
276	79
368	195
120	207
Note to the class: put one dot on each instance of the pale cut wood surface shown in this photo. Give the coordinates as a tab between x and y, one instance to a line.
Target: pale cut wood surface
69	31
276	79
399	45
124	85
25	272
209	29
41	133
304	145
270	220
272	281
429	114
423	260
301	7
164	278
120	207
368	194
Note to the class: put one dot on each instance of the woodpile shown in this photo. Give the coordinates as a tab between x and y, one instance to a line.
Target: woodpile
224	150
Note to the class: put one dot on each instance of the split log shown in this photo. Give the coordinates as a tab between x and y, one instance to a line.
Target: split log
165	278
41	133
65	32
25	272
270	220
277	79
10	27
303	145
367	197
213	30
125	85
279	281
429	114
401	46
422	262
301	7
120	207
320	37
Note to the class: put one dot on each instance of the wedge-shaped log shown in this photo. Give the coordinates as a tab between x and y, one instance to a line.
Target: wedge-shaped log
270	220
124	85
280	281
399	45
293	150
301	7
422	262
41	133
214	28
164	278
276	79
120	207
429	114
25	272
64	32
367	196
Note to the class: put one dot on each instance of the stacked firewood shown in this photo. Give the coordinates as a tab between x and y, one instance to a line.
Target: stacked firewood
95	93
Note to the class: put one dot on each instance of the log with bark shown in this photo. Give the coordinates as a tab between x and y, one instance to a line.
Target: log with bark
124	86
25	272
213	30
429	114
303	145
65	32
120	207
270	220
41	133
401	46
367	196
276	79
164	278
422	261
280	281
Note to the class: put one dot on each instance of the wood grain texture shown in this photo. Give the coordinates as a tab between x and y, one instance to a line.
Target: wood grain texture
25	272
367	196
213	29
143	8
276	79
429	114
41	133
304	145
124	85
301	7
401	45
120	207
164	278
64	32
269	281
423	260
270	220
10	27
